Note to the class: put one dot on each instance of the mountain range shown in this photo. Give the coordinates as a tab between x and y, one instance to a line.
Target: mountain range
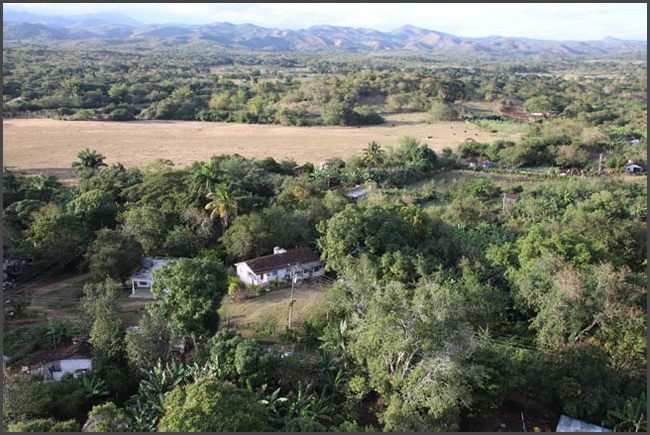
25	26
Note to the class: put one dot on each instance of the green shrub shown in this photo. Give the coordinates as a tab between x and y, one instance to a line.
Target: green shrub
255	290
56	333
267	328
233	285
44	425
83	115
121	114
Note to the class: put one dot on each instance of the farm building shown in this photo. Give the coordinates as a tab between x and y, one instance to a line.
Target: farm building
483	164
142	279
282	265
54	370
538	116
359	192
633	168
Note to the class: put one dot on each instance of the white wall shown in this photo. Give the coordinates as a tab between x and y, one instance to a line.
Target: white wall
247	276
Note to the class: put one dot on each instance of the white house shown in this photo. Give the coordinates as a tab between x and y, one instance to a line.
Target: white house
281	265
143	278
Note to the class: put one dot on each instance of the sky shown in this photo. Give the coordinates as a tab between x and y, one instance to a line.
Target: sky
556	21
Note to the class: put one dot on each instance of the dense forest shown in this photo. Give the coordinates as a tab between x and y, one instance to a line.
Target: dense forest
445	304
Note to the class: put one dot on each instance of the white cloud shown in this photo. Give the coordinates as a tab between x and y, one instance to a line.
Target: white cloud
580	21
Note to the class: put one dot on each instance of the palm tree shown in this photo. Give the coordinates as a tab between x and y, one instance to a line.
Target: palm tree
88	159
205	177
42	186
373	155
43	182
222	204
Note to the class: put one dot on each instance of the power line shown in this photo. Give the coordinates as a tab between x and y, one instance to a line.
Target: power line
31	283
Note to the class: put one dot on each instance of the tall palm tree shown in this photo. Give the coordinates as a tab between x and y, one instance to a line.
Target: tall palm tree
205	177
88	159
222	204
373	155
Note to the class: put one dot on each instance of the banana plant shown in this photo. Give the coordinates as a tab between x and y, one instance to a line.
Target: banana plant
630	416
94	386
275	404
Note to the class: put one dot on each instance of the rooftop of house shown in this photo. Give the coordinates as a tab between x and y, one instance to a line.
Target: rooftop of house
359	191
281	260
149	264
356	192
568	424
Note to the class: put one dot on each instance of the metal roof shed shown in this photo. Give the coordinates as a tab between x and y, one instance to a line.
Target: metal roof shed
568	424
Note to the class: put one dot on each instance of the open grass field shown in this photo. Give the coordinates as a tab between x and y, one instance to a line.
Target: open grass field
266	315
50	146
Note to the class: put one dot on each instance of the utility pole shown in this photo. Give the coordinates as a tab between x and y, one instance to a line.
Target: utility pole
294	279
600	163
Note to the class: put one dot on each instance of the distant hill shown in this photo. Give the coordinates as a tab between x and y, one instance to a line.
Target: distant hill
17	16
24	26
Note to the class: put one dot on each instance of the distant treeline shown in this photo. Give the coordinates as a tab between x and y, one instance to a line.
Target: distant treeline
118	83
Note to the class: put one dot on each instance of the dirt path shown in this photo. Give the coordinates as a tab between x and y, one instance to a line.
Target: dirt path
58	298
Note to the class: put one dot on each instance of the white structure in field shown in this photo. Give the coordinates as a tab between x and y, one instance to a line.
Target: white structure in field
143	278
283	265
358	193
